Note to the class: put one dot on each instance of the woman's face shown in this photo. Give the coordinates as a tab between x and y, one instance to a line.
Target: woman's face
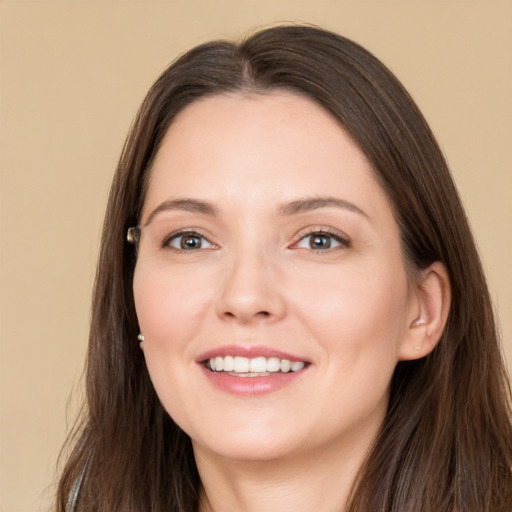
267	247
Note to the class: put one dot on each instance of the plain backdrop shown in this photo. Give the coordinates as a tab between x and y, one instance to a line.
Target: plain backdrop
72	76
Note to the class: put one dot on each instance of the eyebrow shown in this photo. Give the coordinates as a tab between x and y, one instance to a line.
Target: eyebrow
288	209
314	203
186	205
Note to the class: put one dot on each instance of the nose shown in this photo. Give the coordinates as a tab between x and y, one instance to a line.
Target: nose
251	291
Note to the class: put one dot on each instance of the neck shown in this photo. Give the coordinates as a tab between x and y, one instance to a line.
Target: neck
306	482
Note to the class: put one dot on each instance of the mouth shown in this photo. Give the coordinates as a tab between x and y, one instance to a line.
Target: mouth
251	371
260	366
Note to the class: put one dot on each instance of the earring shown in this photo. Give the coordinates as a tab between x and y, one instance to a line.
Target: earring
140	337
419	321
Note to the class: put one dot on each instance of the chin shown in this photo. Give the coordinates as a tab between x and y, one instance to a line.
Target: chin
255	442
247	451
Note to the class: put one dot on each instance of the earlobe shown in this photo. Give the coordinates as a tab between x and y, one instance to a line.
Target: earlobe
432	296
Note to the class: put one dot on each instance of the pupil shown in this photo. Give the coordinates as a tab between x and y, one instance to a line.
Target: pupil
190	242
320	242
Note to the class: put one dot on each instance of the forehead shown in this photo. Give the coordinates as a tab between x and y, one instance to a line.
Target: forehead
261	147
273	121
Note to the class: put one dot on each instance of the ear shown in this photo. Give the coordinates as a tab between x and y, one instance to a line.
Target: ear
430	305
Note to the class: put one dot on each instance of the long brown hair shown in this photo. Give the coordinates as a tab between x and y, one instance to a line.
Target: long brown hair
446	442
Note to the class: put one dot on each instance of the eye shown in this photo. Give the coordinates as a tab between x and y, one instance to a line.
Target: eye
188	241
321	241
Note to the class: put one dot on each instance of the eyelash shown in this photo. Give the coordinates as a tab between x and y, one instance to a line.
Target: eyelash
181	234
343	241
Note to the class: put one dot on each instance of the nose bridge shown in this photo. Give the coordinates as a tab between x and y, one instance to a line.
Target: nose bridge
250	288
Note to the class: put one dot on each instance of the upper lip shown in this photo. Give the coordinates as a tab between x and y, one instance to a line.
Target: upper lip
249	352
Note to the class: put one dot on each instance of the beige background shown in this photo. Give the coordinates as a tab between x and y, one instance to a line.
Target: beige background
72	76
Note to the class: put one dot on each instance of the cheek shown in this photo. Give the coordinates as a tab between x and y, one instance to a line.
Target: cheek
168	315
169	311
355	312
168	305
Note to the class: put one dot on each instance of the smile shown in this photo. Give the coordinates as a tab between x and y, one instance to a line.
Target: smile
253	367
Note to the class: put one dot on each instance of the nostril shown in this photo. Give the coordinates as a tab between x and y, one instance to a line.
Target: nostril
260	314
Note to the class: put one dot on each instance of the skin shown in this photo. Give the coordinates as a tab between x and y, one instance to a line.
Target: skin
348	310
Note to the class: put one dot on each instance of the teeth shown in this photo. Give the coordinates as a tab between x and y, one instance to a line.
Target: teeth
273	364
241	365
297	365
244	365
229	364
286	365
258	365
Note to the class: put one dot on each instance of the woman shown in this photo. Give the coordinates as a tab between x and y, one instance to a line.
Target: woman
315	329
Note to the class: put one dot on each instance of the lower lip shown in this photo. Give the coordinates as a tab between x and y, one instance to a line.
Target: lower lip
251	386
